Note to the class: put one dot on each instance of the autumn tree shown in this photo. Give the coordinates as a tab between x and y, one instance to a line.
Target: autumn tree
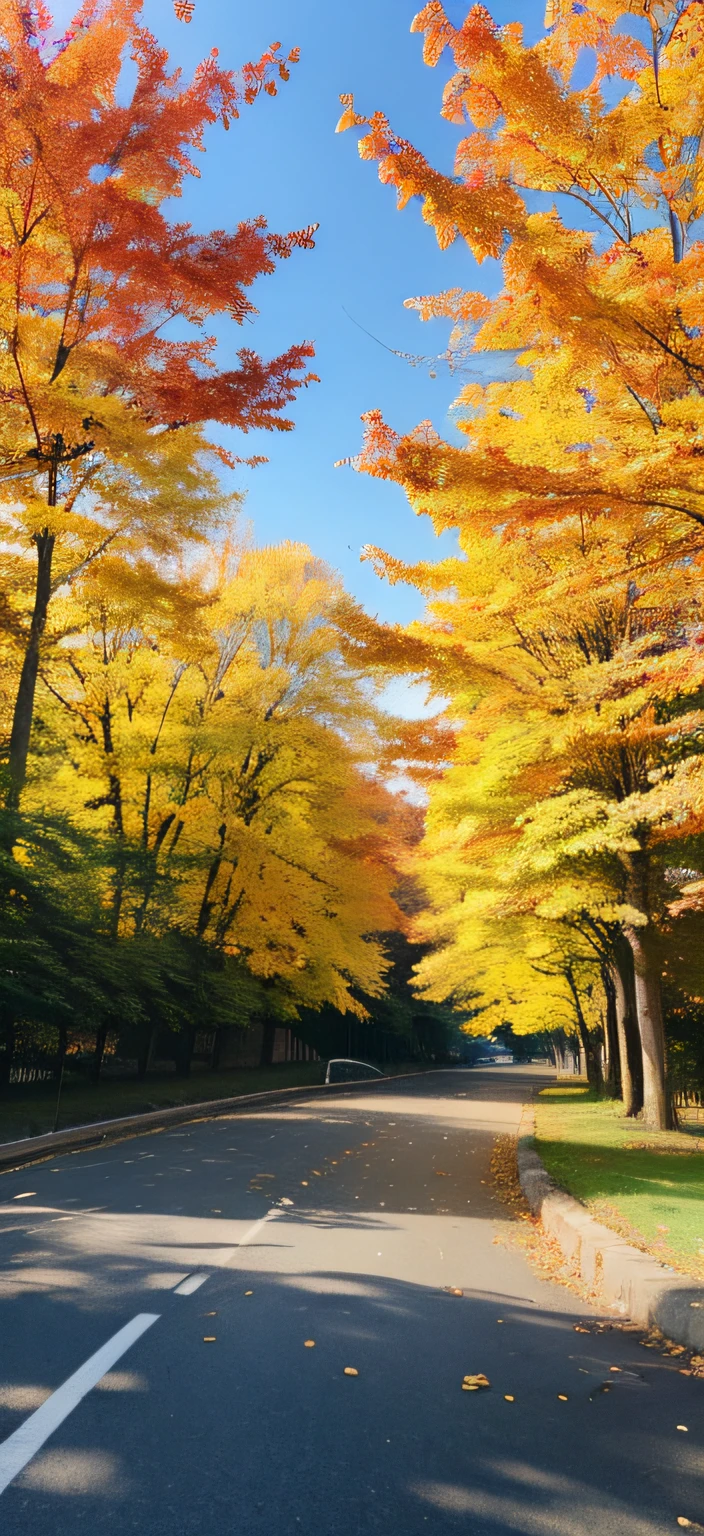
210	742
576	492
103	442
577	770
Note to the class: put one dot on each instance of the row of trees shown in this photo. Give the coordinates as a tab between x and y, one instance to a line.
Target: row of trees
563	858
194	828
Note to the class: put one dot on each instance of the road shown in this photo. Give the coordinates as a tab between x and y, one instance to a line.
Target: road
341	1222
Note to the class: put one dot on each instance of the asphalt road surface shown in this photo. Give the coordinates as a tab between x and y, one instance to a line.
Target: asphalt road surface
158	1300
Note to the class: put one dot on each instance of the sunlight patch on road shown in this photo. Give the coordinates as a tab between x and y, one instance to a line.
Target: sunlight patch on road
557	1503
23	1399
77	1473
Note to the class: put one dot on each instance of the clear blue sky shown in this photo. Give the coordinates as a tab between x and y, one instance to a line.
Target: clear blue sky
283	159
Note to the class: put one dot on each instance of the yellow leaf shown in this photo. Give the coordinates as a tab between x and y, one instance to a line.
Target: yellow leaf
210	1339
310	1343
508	1398
249	1293
473	1383
350	1371
562	1398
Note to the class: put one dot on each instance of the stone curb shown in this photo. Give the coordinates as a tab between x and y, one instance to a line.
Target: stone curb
640	1287
37	1149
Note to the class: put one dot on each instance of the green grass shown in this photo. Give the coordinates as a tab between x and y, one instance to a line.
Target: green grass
647	1185
29	1110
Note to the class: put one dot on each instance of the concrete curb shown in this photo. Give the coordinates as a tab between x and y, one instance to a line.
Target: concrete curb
641	1288
37	1149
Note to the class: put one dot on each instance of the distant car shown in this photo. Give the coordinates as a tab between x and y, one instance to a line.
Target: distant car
497	1059
344	1070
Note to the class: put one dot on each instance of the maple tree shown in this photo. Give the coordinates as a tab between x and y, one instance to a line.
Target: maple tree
568	634
103	440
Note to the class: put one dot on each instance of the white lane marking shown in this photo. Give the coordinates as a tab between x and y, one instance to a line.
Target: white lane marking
227	1254
190	1284
253	1230
29	1438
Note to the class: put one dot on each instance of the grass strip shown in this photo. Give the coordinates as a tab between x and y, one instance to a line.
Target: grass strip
646	1185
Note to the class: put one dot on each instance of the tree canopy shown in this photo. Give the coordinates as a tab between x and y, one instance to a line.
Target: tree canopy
567	634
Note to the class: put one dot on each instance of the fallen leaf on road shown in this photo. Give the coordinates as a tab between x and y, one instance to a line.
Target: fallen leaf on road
350	1371
211	1339
473	1383
317	1173
508	1398
690	1524
452	1290
310	1343
579	1329
304	1183
210	1314
285	1200
440	1174
615	1368
249	1293
562	1398
684	1428
499	1319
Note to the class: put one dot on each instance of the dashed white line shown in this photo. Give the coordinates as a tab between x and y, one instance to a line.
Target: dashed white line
257	1226
16	1451
190	1284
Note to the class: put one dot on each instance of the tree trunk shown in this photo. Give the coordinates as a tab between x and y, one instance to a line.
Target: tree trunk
268	1037
648	996
101	1035
628	1038
656	1114
592	1059
613	1052
183	1050
24	702
63	1048
145	1055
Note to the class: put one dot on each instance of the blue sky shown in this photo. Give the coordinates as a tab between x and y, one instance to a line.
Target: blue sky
283	159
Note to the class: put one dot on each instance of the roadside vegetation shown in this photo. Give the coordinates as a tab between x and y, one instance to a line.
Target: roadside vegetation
648	1185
